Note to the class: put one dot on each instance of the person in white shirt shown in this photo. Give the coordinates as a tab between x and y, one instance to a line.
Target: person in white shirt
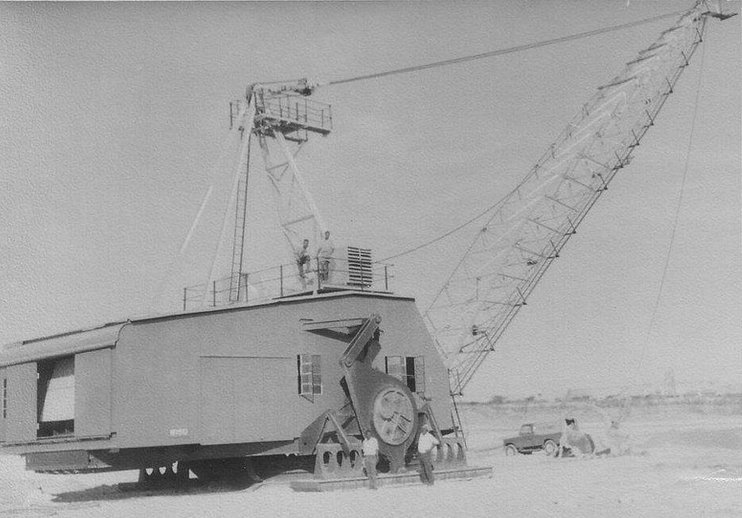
324	256
425	445
370	457
573	441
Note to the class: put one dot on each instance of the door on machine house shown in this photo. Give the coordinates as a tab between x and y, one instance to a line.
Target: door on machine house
19	403
74	395
68	396
245	399
93	376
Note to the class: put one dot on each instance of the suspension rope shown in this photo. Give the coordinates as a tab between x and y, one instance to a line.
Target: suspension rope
653	319
481	56
492	207
510	50
442	236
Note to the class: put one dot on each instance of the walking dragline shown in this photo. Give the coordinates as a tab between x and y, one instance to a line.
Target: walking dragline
291	367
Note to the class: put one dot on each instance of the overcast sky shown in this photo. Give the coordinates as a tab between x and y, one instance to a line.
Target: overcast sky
114	117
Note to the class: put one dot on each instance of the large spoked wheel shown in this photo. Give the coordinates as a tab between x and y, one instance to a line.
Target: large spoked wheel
550	447
511	450
394	415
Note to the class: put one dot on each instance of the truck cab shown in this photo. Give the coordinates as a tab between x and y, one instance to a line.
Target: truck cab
534	437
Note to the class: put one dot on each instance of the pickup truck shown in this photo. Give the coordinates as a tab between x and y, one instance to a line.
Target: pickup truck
534	437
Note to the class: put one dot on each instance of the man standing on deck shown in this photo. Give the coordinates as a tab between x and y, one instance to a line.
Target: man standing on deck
370	457
425	445
324	255
303	258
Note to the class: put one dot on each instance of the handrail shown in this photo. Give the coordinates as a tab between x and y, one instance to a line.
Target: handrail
285	280
297	109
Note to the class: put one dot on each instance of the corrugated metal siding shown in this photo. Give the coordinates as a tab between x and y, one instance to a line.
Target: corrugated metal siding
61	345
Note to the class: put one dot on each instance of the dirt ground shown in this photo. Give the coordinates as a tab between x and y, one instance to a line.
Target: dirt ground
686	460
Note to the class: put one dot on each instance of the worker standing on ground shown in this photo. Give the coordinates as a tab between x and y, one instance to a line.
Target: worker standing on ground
370	457
570	435
324	256
425	445
616	439
574	442
303	258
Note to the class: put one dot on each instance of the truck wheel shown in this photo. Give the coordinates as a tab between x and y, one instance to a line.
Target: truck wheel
550	447
510	450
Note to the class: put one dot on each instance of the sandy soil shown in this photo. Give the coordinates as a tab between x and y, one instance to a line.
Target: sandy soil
685	462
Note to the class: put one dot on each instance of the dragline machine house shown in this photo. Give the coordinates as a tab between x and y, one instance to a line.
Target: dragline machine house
300	376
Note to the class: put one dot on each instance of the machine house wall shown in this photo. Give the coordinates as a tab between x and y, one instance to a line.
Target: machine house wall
226	376
232	376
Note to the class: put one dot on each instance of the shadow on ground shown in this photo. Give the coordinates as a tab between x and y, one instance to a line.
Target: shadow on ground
134	490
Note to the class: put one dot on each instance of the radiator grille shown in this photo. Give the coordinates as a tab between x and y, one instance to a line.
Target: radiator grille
359	267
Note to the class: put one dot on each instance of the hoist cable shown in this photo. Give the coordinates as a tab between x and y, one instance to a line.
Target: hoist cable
655	310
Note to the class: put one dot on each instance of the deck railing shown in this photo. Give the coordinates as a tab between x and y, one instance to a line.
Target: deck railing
313	115
285	281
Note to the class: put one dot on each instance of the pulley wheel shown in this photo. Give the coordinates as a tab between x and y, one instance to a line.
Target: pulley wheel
393	416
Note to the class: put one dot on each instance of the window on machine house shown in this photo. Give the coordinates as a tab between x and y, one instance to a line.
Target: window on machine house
309	374
410	370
